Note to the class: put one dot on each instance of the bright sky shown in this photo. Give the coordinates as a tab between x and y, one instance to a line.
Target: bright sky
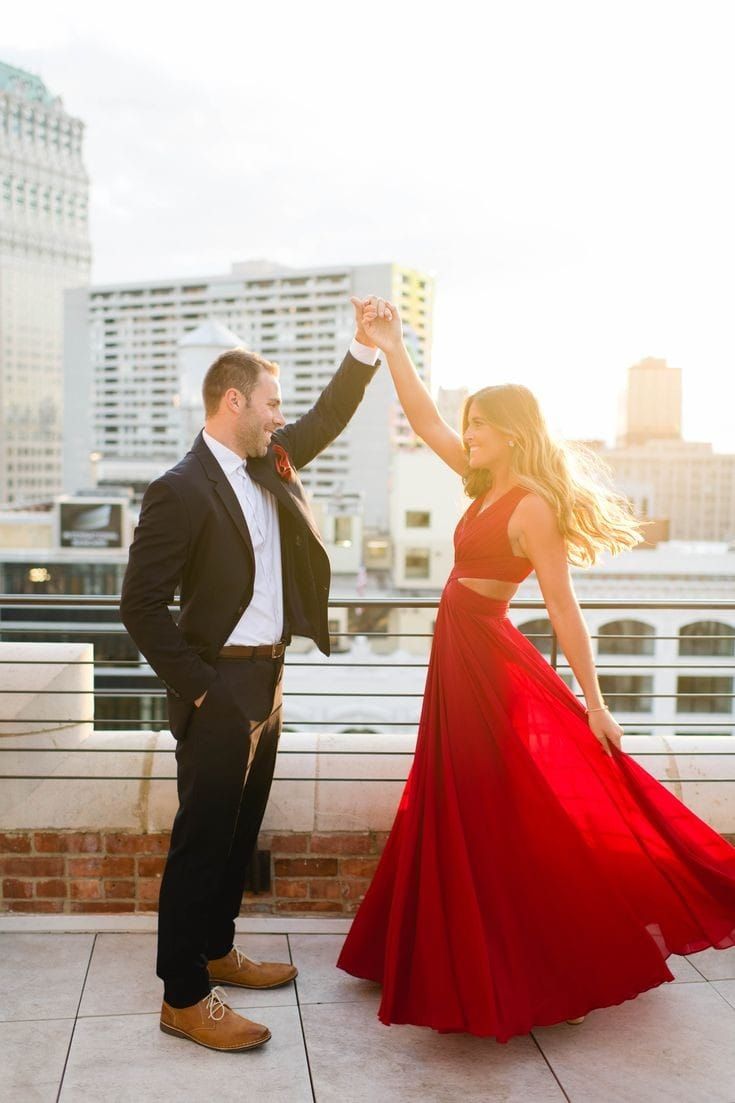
564	169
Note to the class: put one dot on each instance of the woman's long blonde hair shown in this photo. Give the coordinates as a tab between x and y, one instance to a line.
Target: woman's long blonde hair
575	482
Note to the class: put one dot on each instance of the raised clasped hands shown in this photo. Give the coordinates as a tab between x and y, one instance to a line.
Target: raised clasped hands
380	321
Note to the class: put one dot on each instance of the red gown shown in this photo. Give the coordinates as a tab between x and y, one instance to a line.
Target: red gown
528	876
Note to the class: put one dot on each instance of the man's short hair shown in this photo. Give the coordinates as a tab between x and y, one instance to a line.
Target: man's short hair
235	368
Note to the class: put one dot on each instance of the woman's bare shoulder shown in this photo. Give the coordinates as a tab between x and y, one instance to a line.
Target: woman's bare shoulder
535	514
532	505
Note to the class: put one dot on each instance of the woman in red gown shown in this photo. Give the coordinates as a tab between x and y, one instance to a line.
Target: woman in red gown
533	871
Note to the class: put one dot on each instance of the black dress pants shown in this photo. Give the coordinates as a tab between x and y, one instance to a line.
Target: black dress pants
225	760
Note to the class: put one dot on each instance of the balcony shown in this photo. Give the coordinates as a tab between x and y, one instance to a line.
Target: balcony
86	776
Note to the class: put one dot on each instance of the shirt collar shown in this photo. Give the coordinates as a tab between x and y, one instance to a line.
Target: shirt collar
228	460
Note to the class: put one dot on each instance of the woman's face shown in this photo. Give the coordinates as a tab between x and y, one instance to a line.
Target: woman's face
487	445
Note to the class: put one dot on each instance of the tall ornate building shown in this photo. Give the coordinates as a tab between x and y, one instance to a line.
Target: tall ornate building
44	249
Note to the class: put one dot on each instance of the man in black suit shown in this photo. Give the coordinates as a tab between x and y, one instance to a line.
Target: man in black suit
231	526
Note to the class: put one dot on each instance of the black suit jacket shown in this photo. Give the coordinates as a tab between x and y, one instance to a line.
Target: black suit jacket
192	533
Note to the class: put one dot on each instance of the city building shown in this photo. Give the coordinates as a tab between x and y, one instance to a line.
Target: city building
426	503
684	482
44	249
671	668
652	403
122	364
684	489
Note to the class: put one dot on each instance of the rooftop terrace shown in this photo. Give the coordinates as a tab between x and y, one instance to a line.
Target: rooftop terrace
80	1024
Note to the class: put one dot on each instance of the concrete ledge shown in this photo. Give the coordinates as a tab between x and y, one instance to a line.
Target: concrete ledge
87	832
122	781
57	680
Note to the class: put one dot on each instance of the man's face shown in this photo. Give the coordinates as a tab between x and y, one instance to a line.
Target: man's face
260	417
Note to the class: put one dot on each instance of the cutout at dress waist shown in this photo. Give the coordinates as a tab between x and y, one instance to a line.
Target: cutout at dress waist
502	568
477	585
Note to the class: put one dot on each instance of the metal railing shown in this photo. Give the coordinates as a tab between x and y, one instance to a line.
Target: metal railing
82	618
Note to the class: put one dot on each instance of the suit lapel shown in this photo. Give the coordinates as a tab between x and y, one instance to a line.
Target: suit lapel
224	490
229	499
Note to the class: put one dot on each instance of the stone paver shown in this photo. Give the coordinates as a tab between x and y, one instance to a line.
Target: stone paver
81	1024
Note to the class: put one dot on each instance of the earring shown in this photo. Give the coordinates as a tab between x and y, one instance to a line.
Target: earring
511	444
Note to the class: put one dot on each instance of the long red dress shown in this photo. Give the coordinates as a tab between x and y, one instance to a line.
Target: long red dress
528	877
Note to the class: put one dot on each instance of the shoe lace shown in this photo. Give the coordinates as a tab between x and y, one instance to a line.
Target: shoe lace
242	958
216	1006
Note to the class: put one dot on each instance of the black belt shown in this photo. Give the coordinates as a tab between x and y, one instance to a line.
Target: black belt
256	651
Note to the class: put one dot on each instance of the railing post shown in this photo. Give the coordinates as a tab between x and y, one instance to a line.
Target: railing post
554	649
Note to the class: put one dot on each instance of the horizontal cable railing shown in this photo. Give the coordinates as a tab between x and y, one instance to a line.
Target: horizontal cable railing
43	617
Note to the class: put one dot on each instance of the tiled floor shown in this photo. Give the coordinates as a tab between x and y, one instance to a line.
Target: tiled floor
79	1024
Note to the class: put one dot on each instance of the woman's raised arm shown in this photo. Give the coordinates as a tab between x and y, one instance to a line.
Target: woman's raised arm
382	323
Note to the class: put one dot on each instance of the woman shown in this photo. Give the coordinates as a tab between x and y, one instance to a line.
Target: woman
534	871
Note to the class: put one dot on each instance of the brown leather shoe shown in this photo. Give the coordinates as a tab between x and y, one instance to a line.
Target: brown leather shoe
213	1024
242	972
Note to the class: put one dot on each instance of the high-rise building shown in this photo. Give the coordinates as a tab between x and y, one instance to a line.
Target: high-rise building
121	367
44	249
685	486
652	403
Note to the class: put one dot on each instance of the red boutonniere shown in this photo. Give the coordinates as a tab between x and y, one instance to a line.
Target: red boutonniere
283	463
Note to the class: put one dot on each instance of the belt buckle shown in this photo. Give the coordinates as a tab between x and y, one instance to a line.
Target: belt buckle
277	650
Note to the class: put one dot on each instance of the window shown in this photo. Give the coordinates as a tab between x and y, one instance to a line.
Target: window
343	532
416	563
626	692
703	694
417	519
539	634
626	637
707	637
376	553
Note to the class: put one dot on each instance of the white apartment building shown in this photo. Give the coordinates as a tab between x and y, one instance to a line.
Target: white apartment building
44	249
426	502
121	367
663	671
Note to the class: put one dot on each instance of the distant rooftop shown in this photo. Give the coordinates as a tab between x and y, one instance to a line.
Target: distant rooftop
259	266
212	334
701	557
24	84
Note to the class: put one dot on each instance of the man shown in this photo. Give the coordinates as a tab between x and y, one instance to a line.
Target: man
230	524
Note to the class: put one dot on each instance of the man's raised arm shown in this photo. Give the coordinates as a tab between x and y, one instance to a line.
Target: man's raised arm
311	434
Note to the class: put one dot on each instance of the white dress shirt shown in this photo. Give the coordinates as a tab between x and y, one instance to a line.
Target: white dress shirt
364	353
262	621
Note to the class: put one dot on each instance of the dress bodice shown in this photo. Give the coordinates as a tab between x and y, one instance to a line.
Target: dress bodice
481	545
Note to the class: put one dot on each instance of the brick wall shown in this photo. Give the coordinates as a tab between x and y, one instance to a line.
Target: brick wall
96	871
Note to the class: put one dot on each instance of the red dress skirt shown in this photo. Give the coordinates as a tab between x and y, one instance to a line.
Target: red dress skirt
528	877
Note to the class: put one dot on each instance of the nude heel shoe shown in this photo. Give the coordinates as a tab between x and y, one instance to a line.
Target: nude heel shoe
575	1022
